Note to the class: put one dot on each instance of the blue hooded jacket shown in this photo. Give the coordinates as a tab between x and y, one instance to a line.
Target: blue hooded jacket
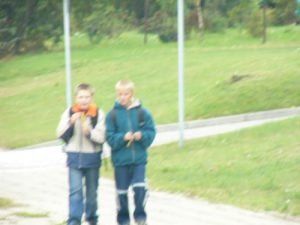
126	120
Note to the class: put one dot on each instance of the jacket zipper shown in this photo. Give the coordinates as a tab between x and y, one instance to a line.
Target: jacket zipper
80	147
130	129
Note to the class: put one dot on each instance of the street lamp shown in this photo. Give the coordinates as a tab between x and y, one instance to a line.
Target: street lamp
66	8
180	41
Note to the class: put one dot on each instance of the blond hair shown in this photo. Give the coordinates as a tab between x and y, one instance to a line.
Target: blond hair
125	84
86	87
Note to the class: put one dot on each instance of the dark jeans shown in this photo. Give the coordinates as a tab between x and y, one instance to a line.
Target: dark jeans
78	202
125	176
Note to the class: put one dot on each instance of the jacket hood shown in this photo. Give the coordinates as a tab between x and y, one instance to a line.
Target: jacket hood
135	103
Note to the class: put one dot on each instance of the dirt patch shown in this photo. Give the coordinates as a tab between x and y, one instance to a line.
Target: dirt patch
239	77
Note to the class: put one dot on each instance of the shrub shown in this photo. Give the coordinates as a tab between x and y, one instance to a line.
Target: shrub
214	22
254	26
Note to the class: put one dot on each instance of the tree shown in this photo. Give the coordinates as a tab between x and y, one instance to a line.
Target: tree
199	5
100	18
264	5
239	15
297	12
26	25
162	20
146	10
284	12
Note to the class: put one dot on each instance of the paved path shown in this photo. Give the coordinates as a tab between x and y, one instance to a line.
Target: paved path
36	179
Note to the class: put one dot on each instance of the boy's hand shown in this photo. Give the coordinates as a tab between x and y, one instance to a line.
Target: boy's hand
137	136
74	117
86	129
128	136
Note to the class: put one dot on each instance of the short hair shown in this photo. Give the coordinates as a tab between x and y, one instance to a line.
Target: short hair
85	86
127	84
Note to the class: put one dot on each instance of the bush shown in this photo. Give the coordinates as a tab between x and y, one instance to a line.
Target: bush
164	25
169	35
214	22
254	26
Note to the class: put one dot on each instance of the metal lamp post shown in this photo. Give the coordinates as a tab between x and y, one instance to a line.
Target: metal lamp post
66	8
180	40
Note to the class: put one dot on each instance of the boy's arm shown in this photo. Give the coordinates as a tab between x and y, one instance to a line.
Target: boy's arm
64	128
98	132
114	139
148	130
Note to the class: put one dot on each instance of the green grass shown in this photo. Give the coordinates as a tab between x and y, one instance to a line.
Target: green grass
256	168
6	203
32	86
62	223
31	214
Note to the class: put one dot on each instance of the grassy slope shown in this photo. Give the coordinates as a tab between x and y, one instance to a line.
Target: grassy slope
256	168
32	87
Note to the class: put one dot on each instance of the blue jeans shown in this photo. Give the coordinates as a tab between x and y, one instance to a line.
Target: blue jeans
78	202
131	175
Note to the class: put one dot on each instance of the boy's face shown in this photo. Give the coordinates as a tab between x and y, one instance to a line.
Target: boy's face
84	99
124	96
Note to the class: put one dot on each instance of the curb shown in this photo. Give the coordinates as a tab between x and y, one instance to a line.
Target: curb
270	114
41	145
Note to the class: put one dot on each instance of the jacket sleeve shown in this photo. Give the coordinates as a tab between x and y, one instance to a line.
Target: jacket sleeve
114	139
148	130
64	130
98	132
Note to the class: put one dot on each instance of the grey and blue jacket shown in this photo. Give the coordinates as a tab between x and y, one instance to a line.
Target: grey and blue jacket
121	120
83	151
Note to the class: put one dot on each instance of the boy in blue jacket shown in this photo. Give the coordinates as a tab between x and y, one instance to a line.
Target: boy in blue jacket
130	131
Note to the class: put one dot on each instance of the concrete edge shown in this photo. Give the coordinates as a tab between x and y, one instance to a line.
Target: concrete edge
44	144
270	114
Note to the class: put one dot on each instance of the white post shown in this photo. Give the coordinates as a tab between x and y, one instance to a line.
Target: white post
66	6
180	23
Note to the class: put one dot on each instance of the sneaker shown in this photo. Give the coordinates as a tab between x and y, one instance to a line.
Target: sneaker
141	222
124	224
91	223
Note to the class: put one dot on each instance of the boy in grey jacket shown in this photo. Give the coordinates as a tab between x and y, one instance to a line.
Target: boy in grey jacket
82	128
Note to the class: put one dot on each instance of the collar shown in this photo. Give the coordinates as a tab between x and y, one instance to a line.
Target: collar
91	111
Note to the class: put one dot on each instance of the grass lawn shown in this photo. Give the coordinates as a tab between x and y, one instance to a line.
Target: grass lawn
6	203
256	168
227	73
31	214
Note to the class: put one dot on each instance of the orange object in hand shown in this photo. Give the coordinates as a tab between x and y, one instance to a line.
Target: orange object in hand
129	143
82	118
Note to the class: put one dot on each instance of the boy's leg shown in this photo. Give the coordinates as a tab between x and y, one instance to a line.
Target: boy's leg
122	178
140	193
91	182
75	196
